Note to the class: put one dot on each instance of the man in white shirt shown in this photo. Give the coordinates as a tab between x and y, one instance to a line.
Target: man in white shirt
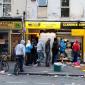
20	53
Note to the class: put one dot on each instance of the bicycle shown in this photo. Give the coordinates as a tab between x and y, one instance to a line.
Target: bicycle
17	67
3	63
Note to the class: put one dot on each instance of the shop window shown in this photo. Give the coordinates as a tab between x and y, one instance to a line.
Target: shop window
3	42
64	8
42	12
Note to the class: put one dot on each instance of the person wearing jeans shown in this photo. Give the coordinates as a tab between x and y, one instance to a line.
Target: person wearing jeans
20	53
40	50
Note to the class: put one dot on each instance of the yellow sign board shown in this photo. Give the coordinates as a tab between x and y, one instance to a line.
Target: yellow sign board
42	25
77	32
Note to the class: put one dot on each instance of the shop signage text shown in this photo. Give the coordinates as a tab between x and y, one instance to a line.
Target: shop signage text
10	25
42	25
73	25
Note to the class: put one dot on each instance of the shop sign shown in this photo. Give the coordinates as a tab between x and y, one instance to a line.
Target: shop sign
18	25
42	25
69	25
82	25
10	25
77	32
73	25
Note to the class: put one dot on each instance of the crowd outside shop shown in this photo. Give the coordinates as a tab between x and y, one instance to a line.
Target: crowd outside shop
35	55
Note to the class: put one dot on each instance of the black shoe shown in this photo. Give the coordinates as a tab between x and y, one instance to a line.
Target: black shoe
21	70
47	65
38	64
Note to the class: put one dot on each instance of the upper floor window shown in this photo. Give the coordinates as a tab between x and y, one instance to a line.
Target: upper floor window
42	3
42	12
65	3
7	1
42	8
64	8
1	1
33	0
6	9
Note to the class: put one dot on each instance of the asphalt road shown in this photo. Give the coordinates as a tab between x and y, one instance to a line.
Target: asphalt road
26	79
7	79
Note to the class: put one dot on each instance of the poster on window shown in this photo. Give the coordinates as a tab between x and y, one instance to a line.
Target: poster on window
2	41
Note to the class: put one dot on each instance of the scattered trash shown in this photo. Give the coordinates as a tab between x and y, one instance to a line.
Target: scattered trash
45	71
72	84
2	72
77	66
56	76
9	74
82	68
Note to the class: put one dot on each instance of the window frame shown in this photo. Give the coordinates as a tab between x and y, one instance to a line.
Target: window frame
7	9
6	12
67	7
43	5
41	16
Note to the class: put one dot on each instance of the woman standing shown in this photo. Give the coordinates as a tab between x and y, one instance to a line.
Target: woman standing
28	53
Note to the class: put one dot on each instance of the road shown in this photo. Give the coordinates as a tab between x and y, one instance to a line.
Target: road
40	80
26	79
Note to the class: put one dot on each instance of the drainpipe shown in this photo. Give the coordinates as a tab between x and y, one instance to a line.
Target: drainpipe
23	26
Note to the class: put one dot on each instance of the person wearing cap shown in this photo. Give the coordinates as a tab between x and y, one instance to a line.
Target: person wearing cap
20	53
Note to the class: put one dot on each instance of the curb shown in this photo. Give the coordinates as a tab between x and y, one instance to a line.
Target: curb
53	74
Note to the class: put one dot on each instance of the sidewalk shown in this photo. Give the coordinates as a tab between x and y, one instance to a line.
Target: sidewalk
67	70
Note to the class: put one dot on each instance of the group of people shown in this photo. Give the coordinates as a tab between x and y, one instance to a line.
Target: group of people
35	54
65	49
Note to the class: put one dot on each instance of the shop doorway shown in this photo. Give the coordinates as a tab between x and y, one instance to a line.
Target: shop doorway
15	39
33	37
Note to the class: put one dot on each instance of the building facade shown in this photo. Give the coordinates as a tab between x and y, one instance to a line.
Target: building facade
67	16
10	27
44	9
50	9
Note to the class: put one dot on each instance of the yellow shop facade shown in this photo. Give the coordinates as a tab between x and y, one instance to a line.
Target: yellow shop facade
69	30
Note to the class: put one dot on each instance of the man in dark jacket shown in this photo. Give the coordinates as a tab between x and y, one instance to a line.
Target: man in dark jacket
55	50
47	51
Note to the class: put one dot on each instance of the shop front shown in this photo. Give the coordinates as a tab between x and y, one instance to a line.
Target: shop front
38	27
69	30
9	29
